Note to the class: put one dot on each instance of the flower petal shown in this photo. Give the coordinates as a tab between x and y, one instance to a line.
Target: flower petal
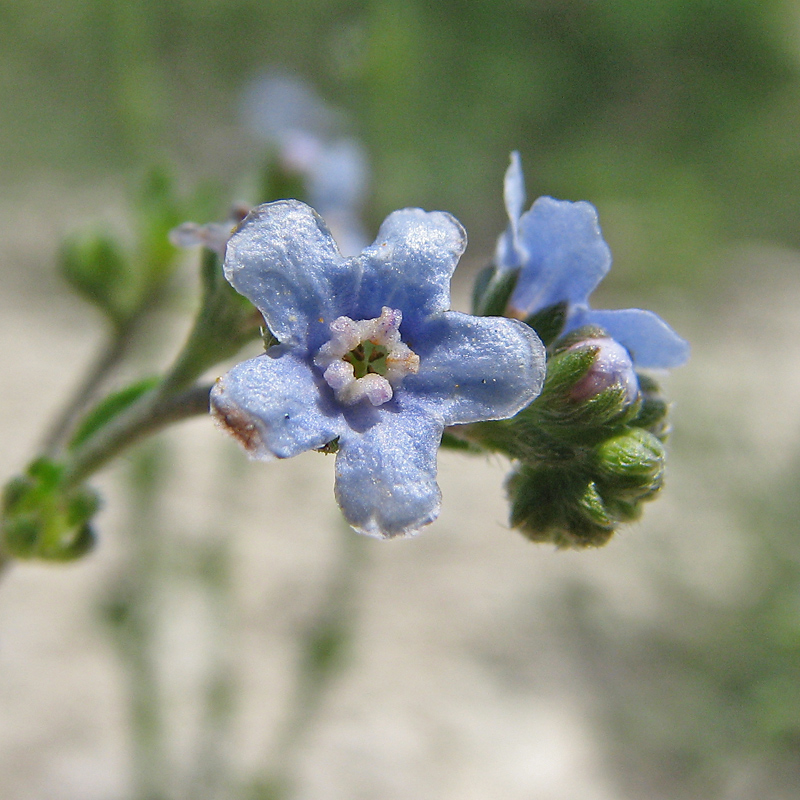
507	253
476	368
273	405
564	255
386	476
514	190
285	261
649	340
410	264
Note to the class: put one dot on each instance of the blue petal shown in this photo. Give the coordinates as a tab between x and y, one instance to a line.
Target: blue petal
285	261
564	255
476	368
514	190
507	254
273	405
386	476
649	340
410	264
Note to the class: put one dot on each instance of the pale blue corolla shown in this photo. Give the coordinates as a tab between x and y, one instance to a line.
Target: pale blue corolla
561	256
370	356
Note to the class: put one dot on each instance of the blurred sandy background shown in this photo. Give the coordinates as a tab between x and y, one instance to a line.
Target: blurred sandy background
666	665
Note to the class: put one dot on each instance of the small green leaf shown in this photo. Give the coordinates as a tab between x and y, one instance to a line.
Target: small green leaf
110	407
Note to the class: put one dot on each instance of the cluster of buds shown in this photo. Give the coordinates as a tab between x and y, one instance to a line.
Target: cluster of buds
604	428
589	450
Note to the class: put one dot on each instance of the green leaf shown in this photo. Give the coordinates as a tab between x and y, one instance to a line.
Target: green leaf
110	407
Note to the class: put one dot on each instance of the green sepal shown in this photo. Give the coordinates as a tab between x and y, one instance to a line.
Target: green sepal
549	322
654	410
42	519
452	442
329	448
492	291
592	506
557	507
226	322
110	407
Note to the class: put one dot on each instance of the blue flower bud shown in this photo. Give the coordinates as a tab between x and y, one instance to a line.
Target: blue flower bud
611	368
590	384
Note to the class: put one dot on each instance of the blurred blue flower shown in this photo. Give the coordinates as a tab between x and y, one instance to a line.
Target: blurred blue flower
559	251
370	357
213	235
283	110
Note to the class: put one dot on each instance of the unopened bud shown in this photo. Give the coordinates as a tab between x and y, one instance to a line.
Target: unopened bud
612	367
42	519
555	506
631	464
96	267
590	383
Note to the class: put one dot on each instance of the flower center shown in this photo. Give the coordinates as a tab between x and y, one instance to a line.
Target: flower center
366	358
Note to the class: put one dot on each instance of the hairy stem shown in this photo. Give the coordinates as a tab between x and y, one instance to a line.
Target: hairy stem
145	417
112	353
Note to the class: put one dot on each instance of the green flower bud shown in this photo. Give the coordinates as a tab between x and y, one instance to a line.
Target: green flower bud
40	519
96	267
559	507
631	464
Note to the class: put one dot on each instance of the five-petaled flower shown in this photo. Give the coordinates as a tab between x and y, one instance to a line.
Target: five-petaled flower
370	357
559	251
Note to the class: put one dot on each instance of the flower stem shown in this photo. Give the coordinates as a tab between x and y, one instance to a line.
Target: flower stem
112	353
149	415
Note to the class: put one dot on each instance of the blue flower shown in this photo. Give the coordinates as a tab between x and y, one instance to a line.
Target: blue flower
559	251
370	357
310	136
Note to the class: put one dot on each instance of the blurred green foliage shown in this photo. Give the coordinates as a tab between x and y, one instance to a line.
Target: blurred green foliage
676	118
